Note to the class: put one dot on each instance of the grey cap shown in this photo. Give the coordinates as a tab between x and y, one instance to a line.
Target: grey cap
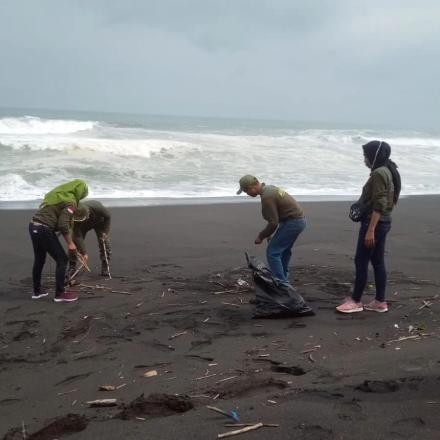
245	182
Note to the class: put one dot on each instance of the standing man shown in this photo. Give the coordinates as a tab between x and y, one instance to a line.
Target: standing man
95	216
284	216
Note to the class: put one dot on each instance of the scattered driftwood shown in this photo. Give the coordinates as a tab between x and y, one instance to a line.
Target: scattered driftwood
102	403
241	431
205	377
241	425
232	415
404	338
427	304
228	378
178	334
150	373
107	388
106	258
83	261
77	271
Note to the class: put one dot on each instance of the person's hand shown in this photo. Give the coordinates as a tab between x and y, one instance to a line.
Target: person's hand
369	239
71	247
104	236
85	257
258	240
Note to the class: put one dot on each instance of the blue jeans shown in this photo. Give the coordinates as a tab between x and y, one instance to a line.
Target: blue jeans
279	250
377	257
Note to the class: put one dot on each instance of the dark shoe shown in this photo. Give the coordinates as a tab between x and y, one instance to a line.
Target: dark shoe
66	297
38	295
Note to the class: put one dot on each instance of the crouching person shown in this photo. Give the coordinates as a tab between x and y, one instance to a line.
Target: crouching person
91	215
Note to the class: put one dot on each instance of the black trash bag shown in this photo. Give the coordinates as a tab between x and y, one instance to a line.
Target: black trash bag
275	299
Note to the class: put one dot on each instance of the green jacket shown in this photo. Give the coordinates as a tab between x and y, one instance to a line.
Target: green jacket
277	206
56	217
378	192
99	219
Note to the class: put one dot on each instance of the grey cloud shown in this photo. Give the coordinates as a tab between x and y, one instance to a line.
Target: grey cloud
320	60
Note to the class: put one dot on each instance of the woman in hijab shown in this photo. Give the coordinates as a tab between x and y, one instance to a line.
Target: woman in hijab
55	215
379	196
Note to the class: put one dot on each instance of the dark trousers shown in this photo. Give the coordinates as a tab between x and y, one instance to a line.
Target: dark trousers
44	241
377	257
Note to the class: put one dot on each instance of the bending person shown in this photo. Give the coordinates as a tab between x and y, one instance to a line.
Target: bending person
55	214
98	218
284	217
379	196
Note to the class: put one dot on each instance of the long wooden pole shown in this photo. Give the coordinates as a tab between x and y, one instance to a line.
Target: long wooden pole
106	258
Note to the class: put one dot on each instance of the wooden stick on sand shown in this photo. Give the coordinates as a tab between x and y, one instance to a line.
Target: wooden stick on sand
83	261
106	258
241	431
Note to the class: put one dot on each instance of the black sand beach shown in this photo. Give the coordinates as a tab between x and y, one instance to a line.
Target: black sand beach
174	307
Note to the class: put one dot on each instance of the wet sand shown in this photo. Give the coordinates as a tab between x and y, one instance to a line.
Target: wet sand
174	307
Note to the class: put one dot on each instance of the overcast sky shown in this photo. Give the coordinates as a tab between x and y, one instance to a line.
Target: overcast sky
371	61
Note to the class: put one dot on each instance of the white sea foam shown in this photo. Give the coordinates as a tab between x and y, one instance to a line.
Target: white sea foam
31	125
126	161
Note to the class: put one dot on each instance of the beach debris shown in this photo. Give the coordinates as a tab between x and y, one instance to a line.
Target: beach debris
107	388
71	278
232	414
231	304
426	304
106	258
178	334
67	392
311	358
205	376
150	373
405	338
226	379
242	283
102	402
83	261
241	431
122	292
239	425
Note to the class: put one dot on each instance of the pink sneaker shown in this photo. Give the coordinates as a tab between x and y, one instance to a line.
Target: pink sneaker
377	306
66	297
350	306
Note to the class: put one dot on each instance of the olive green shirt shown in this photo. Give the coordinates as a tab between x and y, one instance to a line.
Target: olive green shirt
378	192
56	217
99	219
277	206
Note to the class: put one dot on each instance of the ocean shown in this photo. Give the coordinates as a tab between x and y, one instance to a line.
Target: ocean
136	159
